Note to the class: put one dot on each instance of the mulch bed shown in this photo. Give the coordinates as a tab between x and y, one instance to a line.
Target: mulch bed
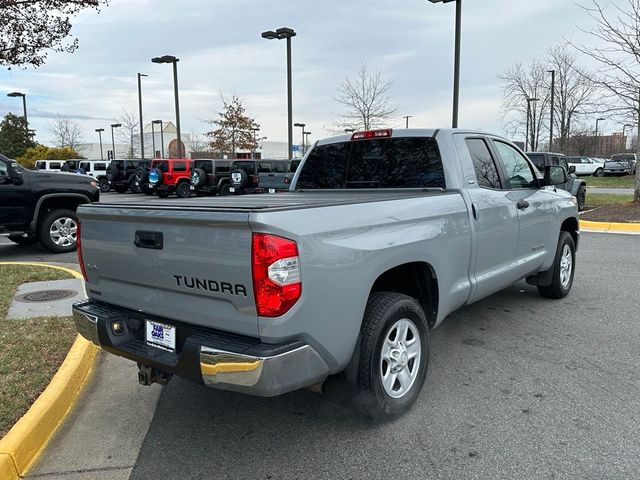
623	213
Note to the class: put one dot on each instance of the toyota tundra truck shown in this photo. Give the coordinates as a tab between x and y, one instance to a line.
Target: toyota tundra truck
337	282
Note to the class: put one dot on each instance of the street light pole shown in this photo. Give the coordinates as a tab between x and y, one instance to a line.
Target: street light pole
159	122
595	152
286	33
113	142
306	141
553	96
24	108
456	66
140	75
301	125
153	141
255	142
100	130
174	61
407	117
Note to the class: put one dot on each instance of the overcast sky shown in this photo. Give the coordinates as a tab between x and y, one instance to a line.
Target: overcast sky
220	50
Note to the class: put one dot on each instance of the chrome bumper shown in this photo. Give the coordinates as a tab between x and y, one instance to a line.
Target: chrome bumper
262	376
273	370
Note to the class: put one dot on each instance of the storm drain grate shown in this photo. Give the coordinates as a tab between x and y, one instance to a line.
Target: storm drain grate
46	296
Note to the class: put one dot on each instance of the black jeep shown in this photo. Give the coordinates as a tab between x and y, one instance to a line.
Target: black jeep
131	175
211	177
39	206
577	187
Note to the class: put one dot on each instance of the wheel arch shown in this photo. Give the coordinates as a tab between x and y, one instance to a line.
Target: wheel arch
54	201
416	279
571	226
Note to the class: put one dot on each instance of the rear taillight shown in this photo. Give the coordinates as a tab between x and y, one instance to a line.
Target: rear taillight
255	179
79	251
372	134
277	284
287	180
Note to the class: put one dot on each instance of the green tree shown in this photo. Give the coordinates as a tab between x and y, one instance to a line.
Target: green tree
14	139
42	152
235	129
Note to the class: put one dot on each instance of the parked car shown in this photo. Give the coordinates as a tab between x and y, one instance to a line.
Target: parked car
171	175
586	166
98	170
39	206
49	165
384	234
244	176
122	174
279	178
211	177
621	164
573	185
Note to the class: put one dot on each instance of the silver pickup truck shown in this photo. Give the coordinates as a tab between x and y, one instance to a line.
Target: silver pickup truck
382	235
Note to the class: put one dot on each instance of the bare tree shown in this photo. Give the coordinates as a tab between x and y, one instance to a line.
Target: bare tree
129	133
66	133
575	90
365	99
617	29
31	27
523	87
197	143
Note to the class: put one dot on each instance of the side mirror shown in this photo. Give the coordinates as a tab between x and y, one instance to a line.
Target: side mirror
555	174
572	169
14	173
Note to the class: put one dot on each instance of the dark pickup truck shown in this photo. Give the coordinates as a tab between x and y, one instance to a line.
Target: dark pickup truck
41	206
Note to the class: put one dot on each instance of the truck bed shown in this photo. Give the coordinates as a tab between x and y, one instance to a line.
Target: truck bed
273	202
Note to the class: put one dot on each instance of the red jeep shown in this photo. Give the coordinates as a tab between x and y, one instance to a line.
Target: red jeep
171	175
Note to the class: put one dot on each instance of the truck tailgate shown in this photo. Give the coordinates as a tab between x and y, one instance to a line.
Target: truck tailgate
190	266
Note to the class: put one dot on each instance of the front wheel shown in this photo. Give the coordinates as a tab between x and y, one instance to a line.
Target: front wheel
599	172
582	198
393	355
58	231
103	183
563	269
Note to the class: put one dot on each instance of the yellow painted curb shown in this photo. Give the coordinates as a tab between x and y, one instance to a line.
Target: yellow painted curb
610	226
21	446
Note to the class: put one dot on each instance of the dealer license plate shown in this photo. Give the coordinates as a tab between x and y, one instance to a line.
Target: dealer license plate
272	190
161	335
192	187
231	189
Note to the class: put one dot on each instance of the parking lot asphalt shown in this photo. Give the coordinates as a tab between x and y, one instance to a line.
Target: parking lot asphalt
519	387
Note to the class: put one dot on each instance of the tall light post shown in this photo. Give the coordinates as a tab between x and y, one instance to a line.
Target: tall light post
301	125
153	141
173	60
24	107
553	96
159	122
100	130
595	150
456	66
624	141
255	142
527	143
113	142
407	117
306	141
140	75
285	33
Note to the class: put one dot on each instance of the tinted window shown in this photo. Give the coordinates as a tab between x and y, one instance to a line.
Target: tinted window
179	166
380	163
85	166
3	168
537	159
264	167
279	167
249	167
54	165
204	165
572	160
518	170
73	164
162	165
223	167
99	167
41	165
293	166
486	171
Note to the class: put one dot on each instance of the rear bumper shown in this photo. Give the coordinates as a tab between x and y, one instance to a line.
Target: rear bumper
217	359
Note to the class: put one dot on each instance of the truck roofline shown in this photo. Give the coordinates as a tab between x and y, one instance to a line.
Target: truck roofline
409	132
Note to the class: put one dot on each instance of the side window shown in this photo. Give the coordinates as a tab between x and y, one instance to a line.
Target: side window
180	166
99	167
486	171
41	165
279	167
54	165
264	167
222	168
518	170
4	171
85	166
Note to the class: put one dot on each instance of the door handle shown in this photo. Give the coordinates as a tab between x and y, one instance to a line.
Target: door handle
522	204
474	209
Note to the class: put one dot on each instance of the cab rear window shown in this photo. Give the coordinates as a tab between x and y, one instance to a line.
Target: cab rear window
409	162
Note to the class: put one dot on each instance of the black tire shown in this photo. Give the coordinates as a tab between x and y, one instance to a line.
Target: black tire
54	238
135	187
141	175
121	188
241	181
559	288
384	310
599	172
224	190
162	193
24	239
198	177
183	190
112	173
104	185
582	198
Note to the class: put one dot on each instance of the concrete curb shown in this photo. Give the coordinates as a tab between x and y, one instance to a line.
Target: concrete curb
612	227
25	441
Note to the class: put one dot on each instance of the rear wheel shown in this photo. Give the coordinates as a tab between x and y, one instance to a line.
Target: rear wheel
599	172
135	187
183	190
58	231
24	239
103	183
225	190
582	198
162	193
393	355
563	269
